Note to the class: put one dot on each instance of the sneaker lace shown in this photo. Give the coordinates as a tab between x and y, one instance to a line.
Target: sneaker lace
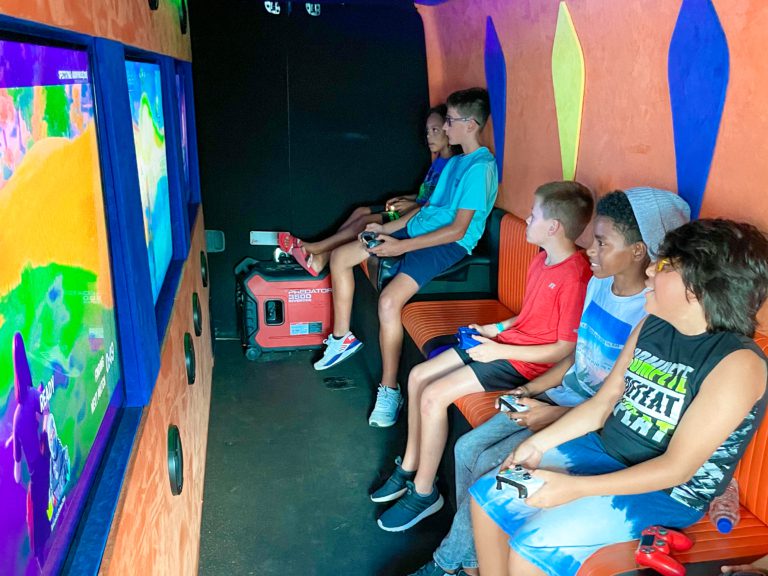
385	401
333	345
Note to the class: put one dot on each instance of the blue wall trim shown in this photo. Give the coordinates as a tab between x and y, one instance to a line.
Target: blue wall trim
84	558
133	291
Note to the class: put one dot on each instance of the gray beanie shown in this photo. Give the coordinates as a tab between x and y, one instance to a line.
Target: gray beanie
657	212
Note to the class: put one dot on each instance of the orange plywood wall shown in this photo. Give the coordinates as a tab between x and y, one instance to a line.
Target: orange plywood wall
155	532
626	133
128	21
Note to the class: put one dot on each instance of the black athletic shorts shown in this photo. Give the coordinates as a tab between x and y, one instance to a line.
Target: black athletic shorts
494	376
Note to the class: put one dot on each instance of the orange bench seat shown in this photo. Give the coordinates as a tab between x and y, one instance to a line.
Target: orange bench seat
426	320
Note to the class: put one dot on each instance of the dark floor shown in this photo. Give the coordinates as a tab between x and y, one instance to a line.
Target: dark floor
290	462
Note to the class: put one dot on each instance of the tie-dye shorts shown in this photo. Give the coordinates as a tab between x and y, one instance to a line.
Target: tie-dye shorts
558	540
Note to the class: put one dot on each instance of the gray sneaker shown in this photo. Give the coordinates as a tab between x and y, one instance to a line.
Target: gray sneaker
395	486
388	404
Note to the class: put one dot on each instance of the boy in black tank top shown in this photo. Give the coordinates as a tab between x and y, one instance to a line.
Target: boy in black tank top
674	416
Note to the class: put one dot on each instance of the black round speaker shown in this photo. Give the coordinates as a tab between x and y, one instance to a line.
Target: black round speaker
197	314
204	268
189	357
175	460
183	16
154	4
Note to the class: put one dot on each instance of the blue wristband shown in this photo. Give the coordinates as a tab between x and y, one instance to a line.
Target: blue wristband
500	327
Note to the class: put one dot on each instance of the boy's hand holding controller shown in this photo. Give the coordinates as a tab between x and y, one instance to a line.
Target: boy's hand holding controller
527	454
542	488
387	247
511	403
401	205
556	488
465	336
487	351
486	330
520	478
370	239
535	414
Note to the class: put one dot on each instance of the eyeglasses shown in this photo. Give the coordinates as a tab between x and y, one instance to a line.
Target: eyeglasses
449	120
662	264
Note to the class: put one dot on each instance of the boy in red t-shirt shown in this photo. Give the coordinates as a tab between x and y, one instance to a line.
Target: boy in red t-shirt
510	353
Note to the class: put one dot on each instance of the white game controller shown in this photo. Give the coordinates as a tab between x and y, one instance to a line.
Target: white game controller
521	479
509	403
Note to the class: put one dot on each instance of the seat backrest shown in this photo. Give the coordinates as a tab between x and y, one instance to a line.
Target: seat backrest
752	473
515	255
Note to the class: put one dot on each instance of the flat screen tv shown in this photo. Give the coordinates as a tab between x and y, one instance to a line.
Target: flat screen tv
59	361
146	97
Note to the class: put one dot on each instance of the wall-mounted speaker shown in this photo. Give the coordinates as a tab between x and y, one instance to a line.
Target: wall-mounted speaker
189	357
154	4
197	314
204	268
175	460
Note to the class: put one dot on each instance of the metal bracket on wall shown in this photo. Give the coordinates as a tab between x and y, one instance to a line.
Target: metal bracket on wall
215	240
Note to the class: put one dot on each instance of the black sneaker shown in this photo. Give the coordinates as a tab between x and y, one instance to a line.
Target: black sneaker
394	487
411	509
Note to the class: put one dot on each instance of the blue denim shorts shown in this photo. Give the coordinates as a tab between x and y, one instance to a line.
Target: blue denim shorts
424	264
558	540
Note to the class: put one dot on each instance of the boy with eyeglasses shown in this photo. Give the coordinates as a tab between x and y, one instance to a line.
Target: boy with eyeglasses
429	240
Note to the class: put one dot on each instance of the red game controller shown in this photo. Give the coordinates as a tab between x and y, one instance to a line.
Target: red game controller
656	545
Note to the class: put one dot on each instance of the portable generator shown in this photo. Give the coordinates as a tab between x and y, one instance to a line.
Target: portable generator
281	308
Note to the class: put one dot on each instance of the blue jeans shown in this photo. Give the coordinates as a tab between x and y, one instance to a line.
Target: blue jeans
558	540
477	452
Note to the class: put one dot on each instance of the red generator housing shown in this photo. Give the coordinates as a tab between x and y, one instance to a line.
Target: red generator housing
280	307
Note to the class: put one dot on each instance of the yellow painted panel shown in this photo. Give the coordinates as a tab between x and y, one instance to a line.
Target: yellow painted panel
568	80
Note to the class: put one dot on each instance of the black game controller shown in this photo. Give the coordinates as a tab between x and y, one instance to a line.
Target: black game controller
370	239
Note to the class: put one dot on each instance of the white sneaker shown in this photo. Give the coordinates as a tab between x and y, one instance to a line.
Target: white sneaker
338	350
388	404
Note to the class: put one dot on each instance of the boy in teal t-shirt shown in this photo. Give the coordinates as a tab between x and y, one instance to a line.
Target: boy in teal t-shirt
468	182
430	240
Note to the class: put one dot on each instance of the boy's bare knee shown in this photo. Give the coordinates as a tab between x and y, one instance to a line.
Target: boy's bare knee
416	380
390	308
431	402
361	212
